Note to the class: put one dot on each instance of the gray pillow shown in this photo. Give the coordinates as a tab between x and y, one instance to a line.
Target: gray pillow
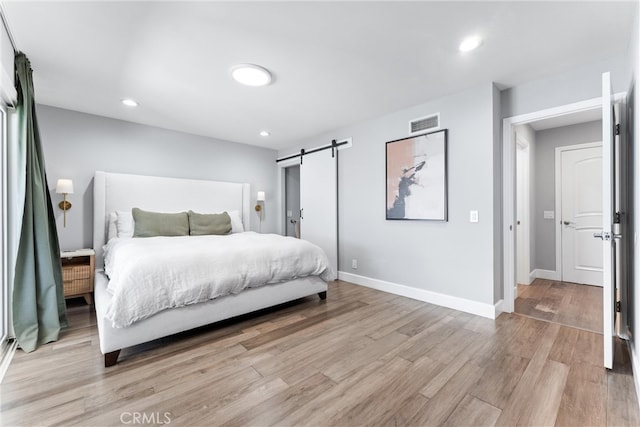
151	224
206	224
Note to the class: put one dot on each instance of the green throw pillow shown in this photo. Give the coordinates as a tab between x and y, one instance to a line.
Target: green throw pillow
151	224
206	224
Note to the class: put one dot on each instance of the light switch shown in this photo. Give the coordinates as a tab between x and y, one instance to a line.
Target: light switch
549	215
473	216
289	214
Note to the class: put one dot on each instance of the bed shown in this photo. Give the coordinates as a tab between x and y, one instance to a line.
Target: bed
122	192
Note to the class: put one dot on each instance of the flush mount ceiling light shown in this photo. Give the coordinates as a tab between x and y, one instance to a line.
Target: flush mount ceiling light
470	43
264	133
251	75
129	102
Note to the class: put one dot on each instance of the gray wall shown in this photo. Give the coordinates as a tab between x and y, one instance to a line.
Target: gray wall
498	255
573	86
543	196
454	257
292	198
78	144
633	66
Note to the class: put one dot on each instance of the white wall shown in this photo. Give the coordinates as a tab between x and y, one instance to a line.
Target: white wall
544	194
77	144
455	258
527	133
7	74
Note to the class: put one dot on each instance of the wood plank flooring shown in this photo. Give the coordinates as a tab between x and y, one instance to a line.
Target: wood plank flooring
360	358
570	304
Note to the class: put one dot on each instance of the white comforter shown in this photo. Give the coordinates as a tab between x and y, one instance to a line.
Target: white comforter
147	275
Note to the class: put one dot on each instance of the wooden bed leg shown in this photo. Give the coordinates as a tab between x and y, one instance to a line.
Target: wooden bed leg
322	295
111	358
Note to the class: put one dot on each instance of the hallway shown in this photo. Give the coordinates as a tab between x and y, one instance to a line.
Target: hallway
569	304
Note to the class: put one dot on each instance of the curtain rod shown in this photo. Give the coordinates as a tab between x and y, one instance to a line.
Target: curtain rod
303	152
6	27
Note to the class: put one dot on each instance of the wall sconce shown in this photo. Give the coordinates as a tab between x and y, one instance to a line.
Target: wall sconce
64	187
260	204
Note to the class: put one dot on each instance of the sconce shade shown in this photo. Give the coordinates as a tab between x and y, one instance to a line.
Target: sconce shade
64	186
260	196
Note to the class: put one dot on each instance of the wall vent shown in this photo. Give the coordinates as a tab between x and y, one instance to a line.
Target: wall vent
425	123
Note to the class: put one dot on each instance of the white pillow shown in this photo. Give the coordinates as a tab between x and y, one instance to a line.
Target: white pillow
236	222
124	224
112	230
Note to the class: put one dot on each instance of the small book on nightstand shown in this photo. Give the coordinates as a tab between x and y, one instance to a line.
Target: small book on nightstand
77	252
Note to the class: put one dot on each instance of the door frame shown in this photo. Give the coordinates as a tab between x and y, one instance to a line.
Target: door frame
558	198
509	181
282	185
524	258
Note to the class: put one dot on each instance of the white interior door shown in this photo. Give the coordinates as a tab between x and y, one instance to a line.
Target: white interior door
522	207
581	195
319	202
608	299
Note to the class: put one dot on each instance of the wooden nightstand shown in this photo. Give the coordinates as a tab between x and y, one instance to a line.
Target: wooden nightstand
78	270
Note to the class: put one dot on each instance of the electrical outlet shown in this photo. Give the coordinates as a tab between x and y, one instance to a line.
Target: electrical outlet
354	264
473	216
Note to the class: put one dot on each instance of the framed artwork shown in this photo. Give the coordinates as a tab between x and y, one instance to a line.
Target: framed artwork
417	177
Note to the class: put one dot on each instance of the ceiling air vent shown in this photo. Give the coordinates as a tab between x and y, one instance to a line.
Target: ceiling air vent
425	123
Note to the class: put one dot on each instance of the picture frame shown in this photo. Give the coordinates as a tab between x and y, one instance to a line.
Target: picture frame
416	177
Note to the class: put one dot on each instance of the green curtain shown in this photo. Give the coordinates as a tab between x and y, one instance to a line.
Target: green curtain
39	310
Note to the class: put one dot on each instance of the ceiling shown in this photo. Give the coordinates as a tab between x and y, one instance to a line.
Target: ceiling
334	63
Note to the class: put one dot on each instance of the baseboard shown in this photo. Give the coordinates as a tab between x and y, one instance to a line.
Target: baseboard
532	276
545	274
498	308
6	356
461	304
635	366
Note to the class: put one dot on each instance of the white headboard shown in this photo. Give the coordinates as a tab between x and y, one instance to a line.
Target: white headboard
122	192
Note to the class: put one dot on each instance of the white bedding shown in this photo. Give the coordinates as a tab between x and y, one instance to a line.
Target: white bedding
148	275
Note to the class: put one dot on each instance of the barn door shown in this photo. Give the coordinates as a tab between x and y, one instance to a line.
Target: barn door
319	202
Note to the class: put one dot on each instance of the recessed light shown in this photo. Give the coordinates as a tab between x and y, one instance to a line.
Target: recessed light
264	133
129	102
470	43
251	75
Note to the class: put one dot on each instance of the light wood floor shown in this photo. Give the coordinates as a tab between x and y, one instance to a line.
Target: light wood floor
360	358
570	304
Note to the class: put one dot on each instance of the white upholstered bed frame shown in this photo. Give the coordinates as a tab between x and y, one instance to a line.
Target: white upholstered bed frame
121	192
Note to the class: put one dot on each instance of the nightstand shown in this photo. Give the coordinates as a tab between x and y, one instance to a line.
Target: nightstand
78	269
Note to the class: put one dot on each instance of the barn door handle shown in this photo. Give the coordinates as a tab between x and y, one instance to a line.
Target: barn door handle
301	213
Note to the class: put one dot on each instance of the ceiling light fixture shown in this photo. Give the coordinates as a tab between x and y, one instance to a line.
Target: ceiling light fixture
129	102
264	133
470	43
251	75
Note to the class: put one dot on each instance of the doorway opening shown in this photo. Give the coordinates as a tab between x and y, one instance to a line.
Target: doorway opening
558	195
291	225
